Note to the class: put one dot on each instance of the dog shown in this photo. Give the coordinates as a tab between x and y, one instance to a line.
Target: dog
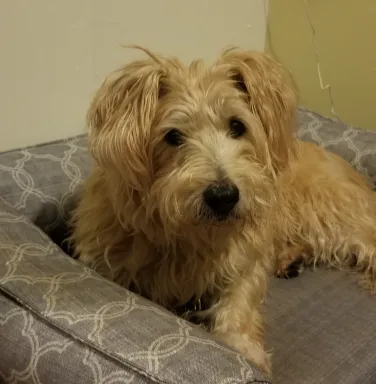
201	191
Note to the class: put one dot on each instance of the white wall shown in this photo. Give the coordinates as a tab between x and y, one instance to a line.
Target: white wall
54	54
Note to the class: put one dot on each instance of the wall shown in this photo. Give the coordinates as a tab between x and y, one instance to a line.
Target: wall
55	53
345	35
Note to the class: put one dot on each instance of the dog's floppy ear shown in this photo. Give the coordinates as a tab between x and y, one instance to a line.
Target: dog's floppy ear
271	96
120	119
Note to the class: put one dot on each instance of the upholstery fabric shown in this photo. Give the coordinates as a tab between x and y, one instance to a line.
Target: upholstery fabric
322	329
42	182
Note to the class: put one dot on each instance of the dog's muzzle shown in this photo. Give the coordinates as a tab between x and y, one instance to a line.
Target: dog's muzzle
221	199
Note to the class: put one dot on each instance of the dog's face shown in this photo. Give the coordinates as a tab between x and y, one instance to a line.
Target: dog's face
197	144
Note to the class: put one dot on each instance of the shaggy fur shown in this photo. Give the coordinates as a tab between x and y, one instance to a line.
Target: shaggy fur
327	214
161	133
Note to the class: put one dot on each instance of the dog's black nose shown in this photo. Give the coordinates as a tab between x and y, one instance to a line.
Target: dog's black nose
221	198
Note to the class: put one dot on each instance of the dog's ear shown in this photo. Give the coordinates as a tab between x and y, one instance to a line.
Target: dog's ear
271	96
120	119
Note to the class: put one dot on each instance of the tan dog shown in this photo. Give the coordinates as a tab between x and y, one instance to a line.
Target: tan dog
198	176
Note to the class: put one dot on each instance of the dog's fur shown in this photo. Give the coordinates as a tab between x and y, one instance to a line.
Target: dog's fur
142	220
327	215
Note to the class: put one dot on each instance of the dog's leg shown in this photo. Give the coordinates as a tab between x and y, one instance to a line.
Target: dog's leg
237	321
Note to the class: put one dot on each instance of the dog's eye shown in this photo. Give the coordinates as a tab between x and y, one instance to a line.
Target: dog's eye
174	137
237	128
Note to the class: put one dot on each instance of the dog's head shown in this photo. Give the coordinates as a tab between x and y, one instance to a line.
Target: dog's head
195	143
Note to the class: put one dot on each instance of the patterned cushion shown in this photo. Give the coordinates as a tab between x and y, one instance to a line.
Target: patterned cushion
62	323
42	182
356	145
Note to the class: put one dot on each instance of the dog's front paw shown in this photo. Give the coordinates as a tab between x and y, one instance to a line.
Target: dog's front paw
260	358
251	350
